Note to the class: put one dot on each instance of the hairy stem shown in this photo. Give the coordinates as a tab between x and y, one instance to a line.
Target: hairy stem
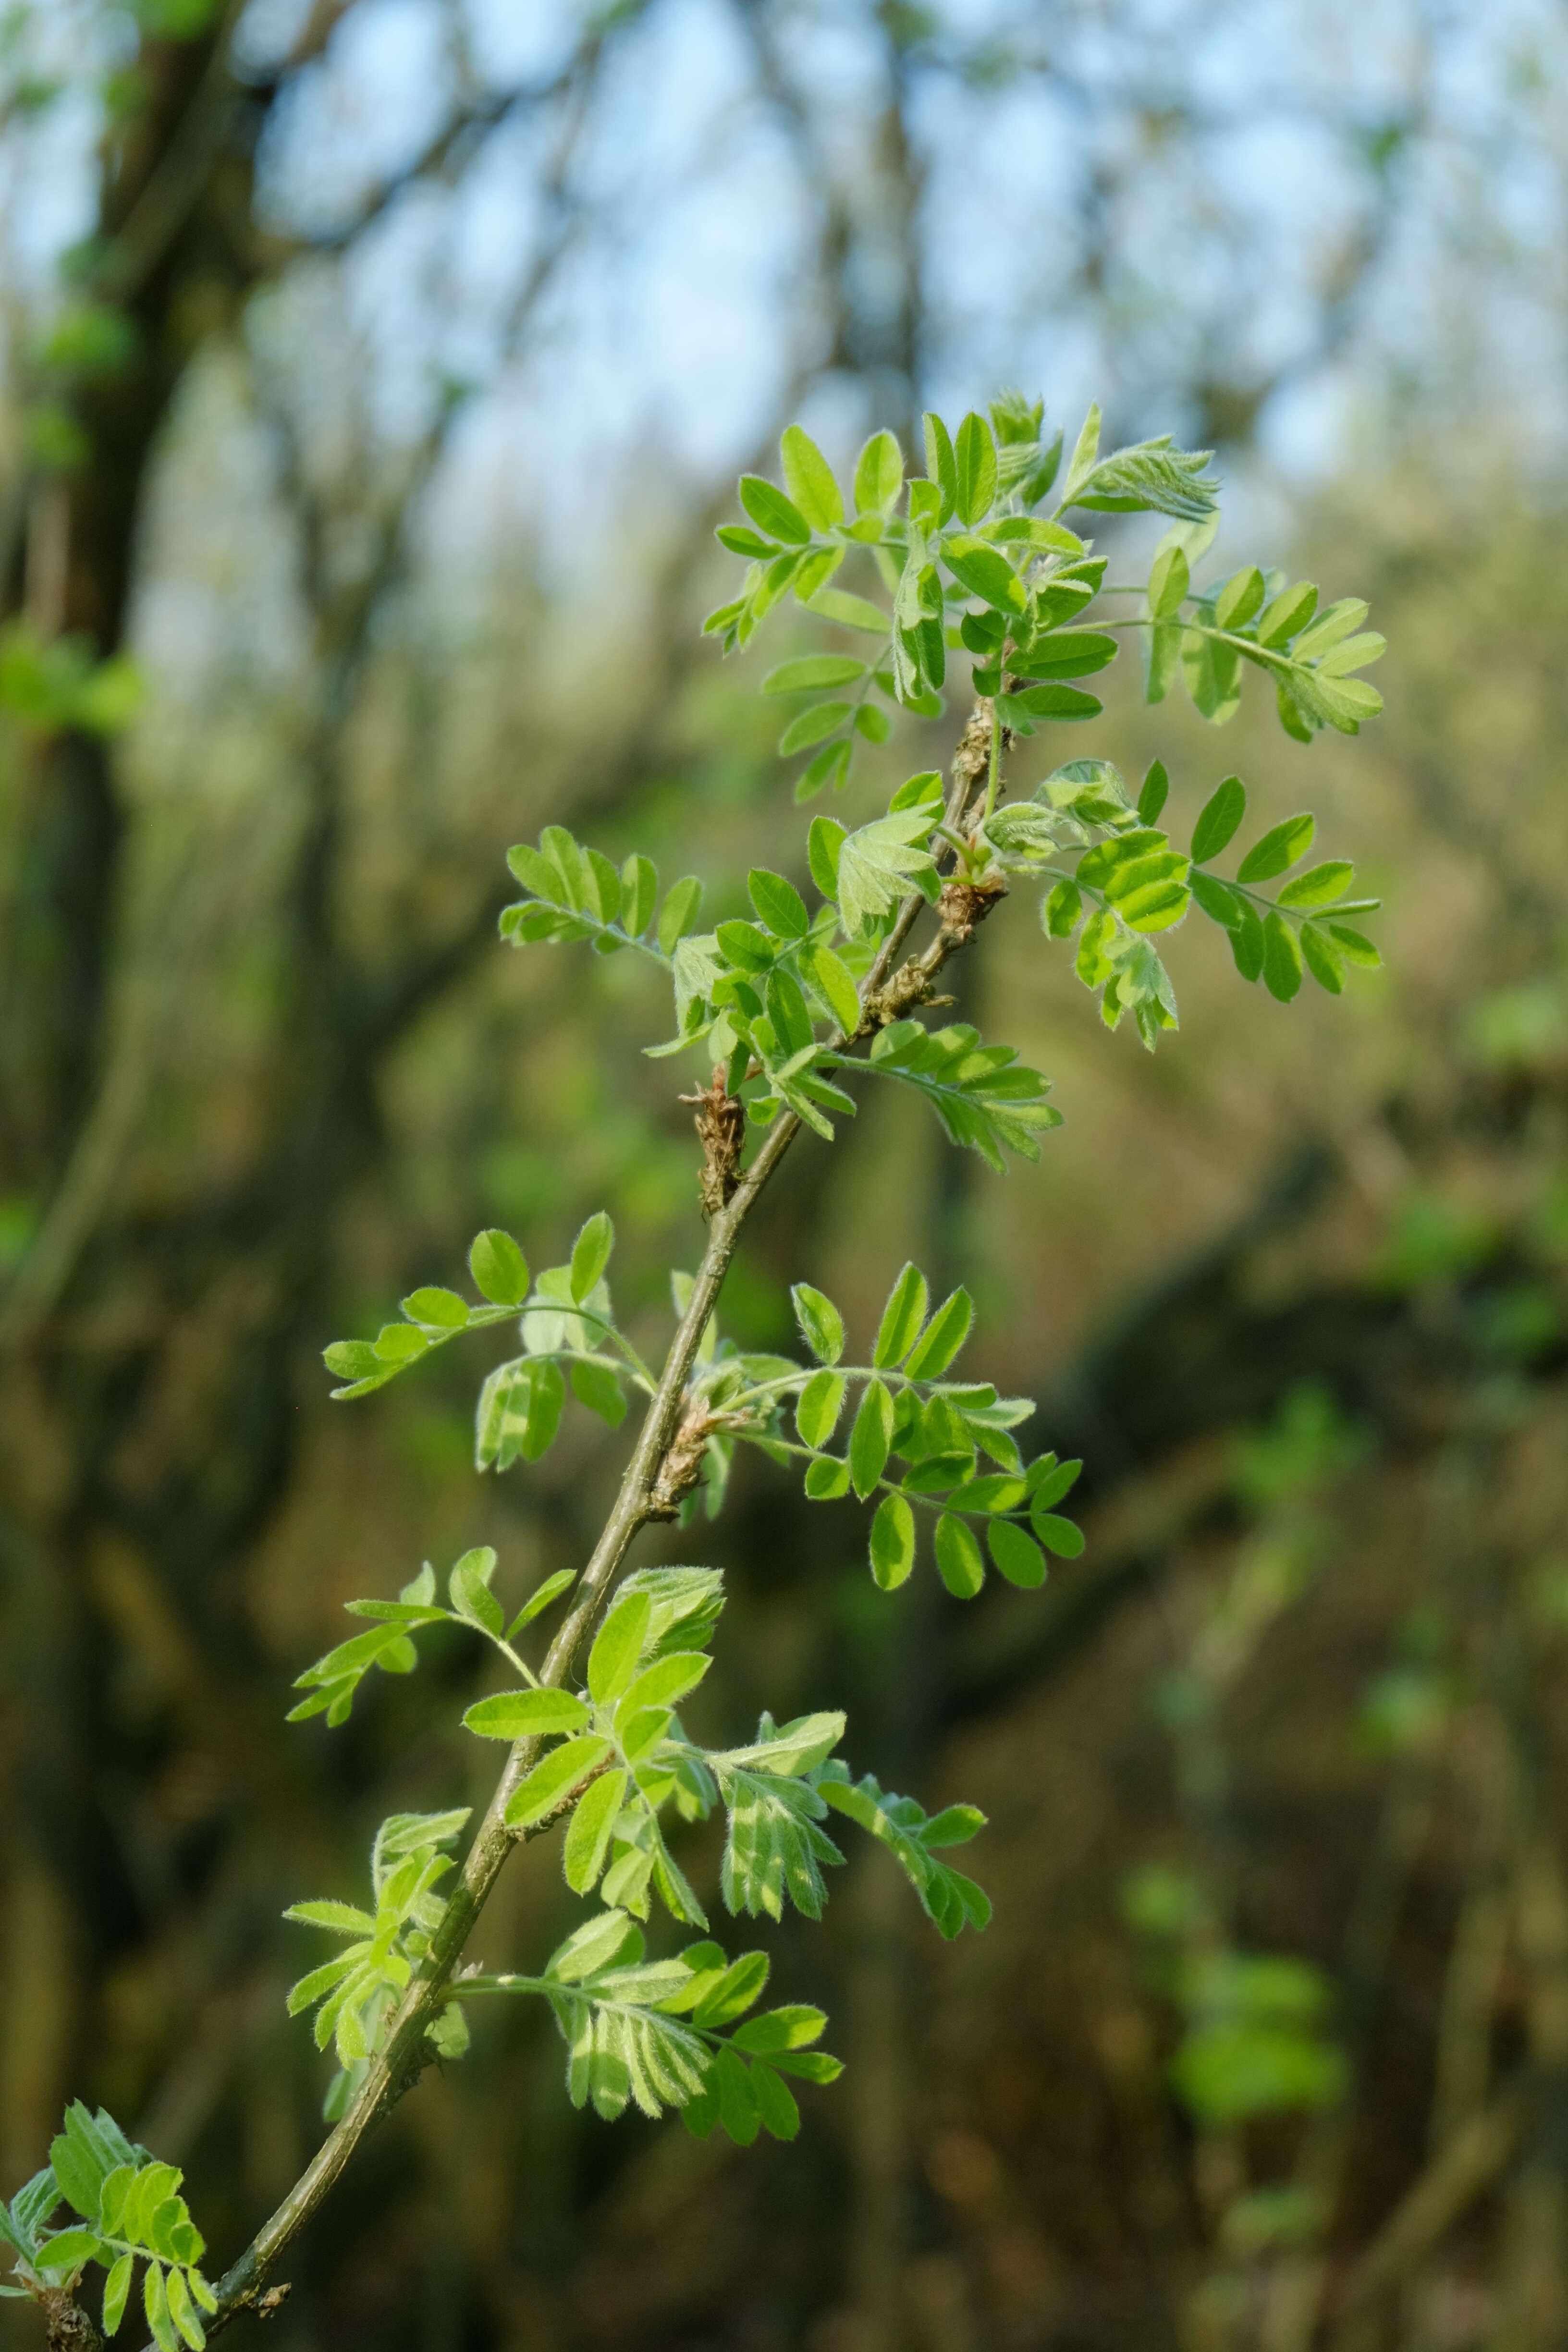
405	2053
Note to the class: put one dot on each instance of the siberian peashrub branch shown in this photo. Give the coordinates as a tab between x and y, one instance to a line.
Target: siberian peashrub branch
826	985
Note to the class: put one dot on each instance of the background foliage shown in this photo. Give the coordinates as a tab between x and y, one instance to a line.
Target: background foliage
374	376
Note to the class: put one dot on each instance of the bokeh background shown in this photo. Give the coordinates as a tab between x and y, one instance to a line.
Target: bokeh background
375	371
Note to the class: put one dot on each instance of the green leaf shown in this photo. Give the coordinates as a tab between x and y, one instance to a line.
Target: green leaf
745	945
596	1386
1240	598
554	1778
808	727
498	1267
958	1557
1151	474
826	1481
811	672
442	1309
1066	653
155	2303
984	1095
902	1317
1281	959
526	1715
848	611
116	2287
618	1646
1355	948
590	1254
818	1406
871	1438
1287	613
1061	910
1050	701
1084	451
942	1338
880	862
948	1897
808	478
974	471
878	475
823	843
828	766
639	889
1279	847
181	2312
773	1847
69	2248
469	1589
1322	959
588	1832
821	1323
1169	580
342	1918
1246	942
1154	793
1319	885
829	978
940	466
985	571
677	916
1021	1562
1218	820
81	2161
776	2105
778	903
892	1543
1064	1537
772	512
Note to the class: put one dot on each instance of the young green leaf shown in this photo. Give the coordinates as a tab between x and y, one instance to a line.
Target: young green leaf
498	1268
618	1646
958	1557
1218	820
817	1409
871	1438
778	903
1280	847
829	978
878	475
678	913
1153	797
469	1589
1319	885
1281	959
772	512
526	1715
554	1778
1169	579
810	673
808	478
974	471
942	1338
1019	1559
587	1843
902	1316
940	467
590	1254
823	845
892	1543
821	1323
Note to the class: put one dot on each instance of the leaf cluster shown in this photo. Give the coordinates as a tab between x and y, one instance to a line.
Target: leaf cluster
130	2212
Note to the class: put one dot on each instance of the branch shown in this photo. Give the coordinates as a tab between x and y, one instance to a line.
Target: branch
404	2054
